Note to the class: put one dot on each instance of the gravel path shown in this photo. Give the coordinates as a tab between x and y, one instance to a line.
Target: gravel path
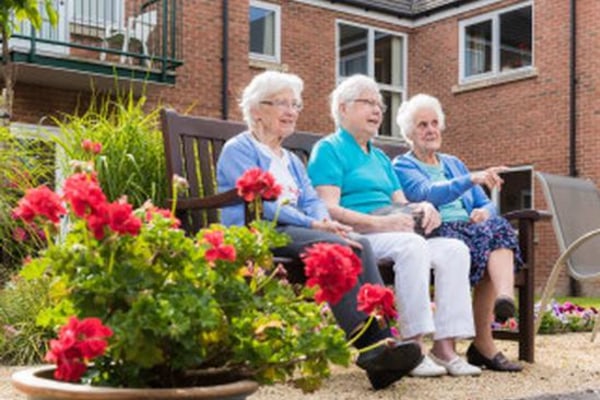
567	367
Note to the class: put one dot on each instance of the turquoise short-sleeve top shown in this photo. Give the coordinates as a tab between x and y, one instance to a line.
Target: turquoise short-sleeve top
366	180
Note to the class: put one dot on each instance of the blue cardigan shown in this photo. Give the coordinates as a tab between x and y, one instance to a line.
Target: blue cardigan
417	184
239	154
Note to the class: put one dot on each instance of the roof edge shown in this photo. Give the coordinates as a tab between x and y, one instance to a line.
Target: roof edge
409	15
443	7
381	9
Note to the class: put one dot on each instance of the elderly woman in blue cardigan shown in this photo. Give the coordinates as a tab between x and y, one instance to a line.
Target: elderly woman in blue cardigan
467	213
271	104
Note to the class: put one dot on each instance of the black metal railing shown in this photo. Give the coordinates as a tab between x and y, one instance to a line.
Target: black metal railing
136	33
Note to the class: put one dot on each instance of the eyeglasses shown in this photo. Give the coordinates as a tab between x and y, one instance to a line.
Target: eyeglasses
372	103
284	104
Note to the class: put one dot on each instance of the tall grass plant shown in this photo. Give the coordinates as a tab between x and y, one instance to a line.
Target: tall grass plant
132	160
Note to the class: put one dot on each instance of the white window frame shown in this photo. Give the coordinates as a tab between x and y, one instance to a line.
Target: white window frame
276	58
494	17
399	89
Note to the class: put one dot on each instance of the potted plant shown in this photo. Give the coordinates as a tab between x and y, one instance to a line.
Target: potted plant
141	306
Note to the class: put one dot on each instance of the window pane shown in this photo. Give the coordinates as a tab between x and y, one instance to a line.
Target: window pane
383	57
353	50
515	39
392	101
478	48
97	12
516	191
262	31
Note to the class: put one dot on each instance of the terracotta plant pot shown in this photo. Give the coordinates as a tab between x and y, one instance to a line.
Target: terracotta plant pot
37	383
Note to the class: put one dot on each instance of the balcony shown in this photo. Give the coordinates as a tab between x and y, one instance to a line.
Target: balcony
132	42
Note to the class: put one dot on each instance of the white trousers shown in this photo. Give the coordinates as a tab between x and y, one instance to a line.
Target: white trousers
413	258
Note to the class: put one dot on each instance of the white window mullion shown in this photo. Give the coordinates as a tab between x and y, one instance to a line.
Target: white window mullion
371	53
495	44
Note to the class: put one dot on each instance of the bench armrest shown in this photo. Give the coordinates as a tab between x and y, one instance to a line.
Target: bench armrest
532	215
228	198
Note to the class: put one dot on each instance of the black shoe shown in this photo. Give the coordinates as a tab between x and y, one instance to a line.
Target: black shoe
504	308
497	363
394	355
382	379
386	364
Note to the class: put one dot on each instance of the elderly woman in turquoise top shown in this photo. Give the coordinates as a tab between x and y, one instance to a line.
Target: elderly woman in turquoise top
360	188
467	214
271	104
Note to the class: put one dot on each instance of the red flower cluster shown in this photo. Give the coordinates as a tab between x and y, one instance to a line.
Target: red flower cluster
332	267
87	200
83	192
42	202
91	147
218	251
78	342
378	300
255	183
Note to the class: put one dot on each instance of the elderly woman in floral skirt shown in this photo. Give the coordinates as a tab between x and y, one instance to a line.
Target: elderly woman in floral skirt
467	213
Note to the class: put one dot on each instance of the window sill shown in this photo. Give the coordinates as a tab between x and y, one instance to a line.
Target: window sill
270	65
500	79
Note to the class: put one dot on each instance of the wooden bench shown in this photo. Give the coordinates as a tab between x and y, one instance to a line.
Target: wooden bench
192	148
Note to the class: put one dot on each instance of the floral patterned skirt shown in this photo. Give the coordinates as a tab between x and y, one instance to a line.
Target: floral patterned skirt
483	238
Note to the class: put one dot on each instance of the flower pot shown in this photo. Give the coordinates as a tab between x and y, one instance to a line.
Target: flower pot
37	383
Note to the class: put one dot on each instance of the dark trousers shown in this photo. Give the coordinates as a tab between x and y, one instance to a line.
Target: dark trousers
345	311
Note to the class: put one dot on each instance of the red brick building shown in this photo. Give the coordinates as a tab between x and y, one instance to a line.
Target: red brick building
501	68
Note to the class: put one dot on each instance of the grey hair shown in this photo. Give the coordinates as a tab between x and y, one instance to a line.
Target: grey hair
265	84
348	90
405	118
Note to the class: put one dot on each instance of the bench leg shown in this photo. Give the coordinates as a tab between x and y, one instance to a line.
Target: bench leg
526	315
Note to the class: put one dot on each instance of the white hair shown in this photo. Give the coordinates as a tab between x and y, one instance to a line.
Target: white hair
265	84
405	118
348	90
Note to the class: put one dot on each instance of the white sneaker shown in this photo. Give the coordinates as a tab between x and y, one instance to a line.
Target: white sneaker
428	368
457	366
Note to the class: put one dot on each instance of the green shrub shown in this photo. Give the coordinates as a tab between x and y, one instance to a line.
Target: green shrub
132	160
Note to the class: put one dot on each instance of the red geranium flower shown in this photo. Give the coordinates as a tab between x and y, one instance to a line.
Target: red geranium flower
78	342
42	202
378	300
218	251
84	193
255	183
332	267
271	190
91	147
121	218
